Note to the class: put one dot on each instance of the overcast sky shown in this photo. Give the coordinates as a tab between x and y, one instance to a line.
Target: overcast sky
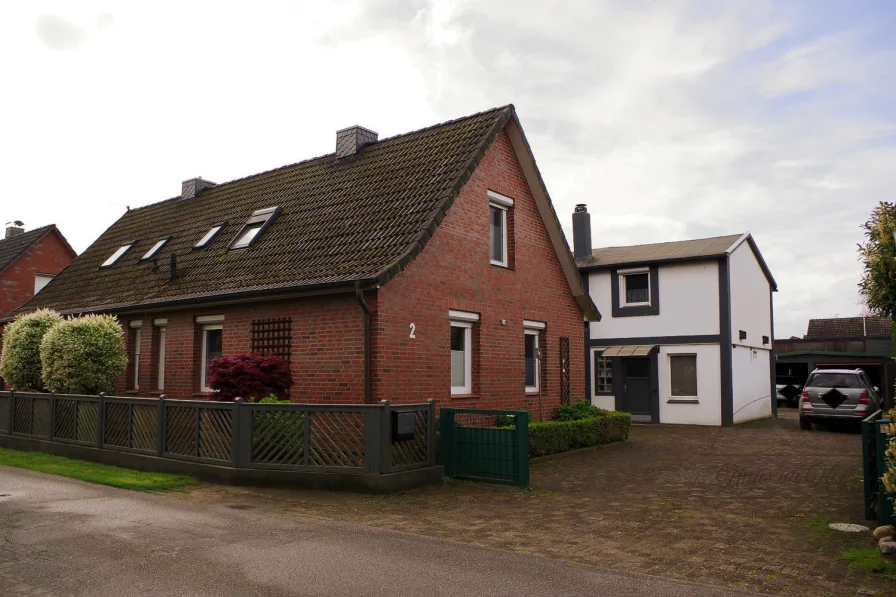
671	120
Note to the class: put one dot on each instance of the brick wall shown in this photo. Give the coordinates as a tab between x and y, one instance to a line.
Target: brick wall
454	272
49	255
327	347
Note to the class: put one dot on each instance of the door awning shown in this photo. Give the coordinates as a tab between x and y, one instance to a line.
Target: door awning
628	351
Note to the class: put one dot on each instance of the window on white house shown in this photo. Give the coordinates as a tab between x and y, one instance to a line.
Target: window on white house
254	227
635	288
208	236
41	280
532	360
498	235
154	249
117	255
684	375
603	373
212	348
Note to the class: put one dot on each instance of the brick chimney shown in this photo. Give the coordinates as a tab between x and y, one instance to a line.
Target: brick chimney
351	140
189	189
14	228
581	232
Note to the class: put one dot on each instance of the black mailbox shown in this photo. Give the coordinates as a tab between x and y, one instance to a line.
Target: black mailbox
403	425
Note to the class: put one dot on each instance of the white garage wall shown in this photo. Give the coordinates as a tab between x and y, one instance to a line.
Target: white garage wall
752	384
708	411
689	304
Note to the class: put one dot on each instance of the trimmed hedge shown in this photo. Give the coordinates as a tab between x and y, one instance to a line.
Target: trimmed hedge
553	437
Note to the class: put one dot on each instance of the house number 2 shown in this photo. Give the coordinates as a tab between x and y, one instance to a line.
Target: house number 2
413	329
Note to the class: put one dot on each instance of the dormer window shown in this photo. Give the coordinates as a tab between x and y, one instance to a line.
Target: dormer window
208	236
155	249
254	227
117	255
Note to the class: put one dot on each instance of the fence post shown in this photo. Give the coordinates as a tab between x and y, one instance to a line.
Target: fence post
52	428
522	449
306	438
372	430
431	445
385	437
161	427
235	432
245	435
101	420
12	408
446	423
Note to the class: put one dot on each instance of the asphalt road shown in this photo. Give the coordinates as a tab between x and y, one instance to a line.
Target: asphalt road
64	537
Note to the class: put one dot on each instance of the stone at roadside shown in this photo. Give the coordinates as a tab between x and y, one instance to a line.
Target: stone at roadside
884	531
848	528
887	548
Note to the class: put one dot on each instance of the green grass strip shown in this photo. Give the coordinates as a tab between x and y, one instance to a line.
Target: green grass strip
92	472
871	559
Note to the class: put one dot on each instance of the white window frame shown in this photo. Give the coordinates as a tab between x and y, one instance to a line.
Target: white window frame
203	380
118	254
137	326
163	340
595	353
155	249
465	321
536	333
503	203
45	278
673	397
207	238
622	291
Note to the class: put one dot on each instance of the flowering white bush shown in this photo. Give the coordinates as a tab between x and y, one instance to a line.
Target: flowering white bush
83	355
20	365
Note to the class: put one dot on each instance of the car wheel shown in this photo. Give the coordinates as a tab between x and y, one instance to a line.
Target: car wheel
805	424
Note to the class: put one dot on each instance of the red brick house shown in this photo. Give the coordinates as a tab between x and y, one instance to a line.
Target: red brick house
426	265
28	261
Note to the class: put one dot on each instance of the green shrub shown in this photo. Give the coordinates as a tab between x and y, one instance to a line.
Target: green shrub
553	437
578	411
83	355
272	399
507	422
20	364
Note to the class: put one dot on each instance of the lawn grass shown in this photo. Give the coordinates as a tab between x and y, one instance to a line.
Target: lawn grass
820	524
871	559
103	474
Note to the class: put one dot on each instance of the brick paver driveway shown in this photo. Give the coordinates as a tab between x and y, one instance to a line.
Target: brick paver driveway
743	507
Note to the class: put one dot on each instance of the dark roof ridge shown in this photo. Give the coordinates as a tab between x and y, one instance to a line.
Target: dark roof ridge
331	154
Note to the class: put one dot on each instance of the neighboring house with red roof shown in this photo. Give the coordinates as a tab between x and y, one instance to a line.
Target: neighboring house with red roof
426	265
29	261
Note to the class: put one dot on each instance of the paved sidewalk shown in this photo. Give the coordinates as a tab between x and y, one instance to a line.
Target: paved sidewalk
64	537
744	507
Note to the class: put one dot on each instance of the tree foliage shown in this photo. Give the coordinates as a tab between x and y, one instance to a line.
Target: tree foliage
249	376
20	364
878	252
83	355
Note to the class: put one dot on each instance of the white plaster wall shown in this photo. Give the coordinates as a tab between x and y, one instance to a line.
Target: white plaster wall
752	383
750	305
689	304
708	411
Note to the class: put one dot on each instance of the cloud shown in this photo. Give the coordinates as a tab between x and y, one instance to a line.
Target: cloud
58	33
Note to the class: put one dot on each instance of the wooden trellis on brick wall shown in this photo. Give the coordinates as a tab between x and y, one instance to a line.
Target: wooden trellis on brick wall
564	370
273	336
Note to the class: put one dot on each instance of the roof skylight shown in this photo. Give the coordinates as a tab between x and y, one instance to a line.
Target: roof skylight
208	236
155	249
117	255
254	227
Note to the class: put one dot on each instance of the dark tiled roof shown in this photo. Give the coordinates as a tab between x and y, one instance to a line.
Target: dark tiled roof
13	247
683	249
359	218
850	327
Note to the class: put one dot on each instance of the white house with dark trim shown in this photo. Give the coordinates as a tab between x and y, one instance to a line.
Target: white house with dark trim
688	328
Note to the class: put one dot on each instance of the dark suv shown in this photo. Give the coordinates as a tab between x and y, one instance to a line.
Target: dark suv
837	394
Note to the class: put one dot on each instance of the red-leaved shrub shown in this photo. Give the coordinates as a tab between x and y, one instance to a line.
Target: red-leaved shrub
249	376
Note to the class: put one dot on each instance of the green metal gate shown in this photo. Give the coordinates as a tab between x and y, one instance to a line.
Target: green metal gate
474	447
874	445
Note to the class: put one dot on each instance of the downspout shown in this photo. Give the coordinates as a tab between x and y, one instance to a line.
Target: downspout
368	386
